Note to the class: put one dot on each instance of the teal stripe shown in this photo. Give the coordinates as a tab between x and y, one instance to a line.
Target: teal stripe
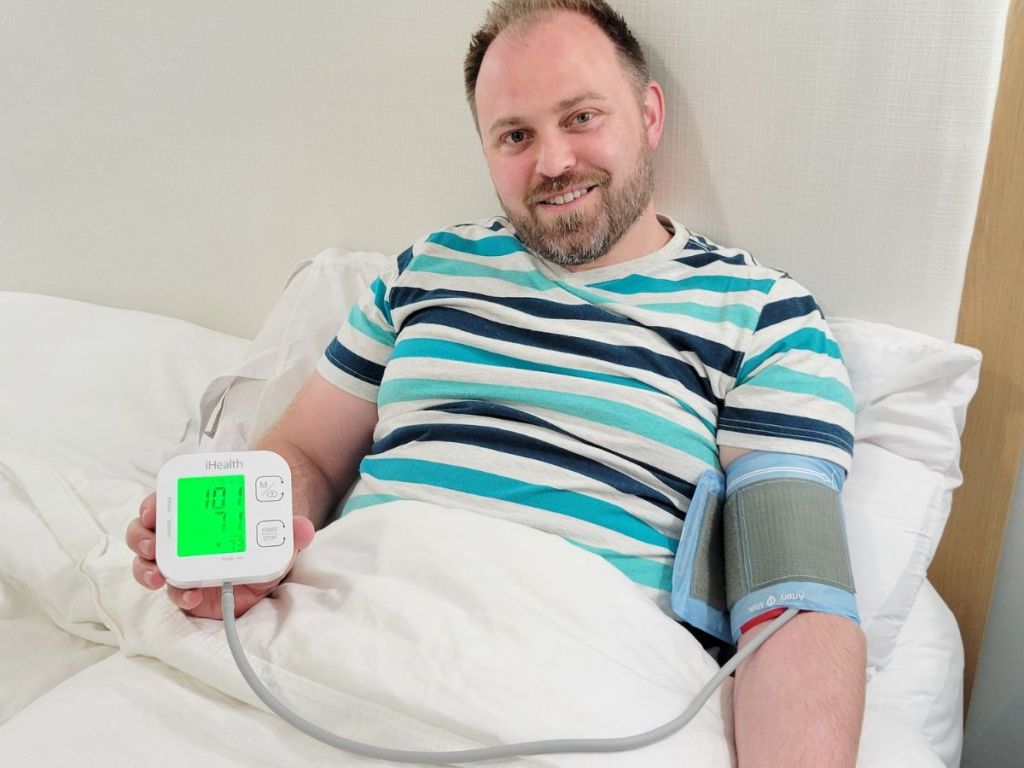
498	245
380	292
807	339
492	486
454	267
605	412
718	283
640	570
787	380
739	315
368	500
358	320
452	350
587	297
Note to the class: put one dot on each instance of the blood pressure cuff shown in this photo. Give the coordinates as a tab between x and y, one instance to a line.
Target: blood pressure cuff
770	534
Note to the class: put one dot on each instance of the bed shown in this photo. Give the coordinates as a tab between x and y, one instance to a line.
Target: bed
140	330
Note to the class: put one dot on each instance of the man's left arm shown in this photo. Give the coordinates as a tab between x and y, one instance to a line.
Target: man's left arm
799	700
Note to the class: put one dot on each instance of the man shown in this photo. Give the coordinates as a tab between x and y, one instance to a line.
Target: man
579	365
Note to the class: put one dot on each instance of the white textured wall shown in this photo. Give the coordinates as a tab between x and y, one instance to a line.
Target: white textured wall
181	157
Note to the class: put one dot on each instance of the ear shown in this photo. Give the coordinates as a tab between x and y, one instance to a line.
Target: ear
653	109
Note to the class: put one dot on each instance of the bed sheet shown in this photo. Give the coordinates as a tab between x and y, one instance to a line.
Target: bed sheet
407	652
98	391
143	712
371	638
35	654
389	646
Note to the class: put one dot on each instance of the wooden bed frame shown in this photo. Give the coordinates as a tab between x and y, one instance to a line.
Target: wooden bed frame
991	317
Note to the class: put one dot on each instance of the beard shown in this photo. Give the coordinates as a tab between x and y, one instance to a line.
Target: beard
582	237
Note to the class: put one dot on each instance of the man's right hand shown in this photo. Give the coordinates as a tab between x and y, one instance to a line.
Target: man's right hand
323	435
203	603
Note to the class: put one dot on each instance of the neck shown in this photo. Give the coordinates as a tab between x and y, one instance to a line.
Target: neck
645	236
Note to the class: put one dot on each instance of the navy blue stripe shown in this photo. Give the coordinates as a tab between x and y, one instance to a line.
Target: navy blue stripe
527	447
786	309
402	296
699	241
353	364
404	259
714	355
710	257
751	422
480	408
494	226
718	356
628	356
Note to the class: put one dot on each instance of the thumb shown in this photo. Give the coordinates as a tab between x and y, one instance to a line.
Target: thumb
303	531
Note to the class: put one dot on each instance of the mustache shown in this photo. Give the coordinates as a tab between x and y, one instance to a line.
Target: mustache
564	183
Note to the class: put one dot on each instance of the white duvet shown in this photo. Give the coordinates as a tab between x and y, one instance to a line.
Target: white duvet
406	625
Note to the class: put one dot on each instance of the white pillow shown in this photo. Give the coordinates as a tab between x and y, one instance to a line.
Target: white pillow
241	404
98	386
911	393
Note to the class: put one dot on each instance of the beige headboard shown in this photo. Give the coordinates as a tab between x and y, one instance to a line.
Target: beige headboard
180	158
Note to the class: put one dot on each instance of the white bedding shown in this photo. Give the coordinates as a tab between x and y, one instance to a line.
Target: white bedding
409	625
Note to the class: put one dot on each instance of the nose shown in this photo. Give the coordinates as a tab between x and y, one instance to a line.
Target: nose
555	155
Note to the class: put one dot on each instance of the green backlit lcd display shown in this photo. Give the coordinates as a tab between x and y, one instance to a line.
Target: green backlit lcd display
211	515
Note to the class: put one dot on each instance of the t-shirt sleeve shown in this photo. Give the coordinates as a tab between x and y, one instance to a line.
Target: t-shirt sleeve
355	359
792	391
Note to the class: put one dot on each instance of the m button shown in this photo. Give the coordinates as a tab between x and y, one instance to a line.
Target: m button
269	488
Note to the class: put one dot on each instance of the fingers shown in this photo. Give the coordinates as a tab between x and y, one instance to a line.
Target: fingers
246	596
140	539
139	534
147	511
185	599
205	603
146	573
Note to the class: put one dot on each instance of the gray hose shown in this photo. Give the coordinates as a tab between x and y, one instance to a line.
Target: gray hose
554	746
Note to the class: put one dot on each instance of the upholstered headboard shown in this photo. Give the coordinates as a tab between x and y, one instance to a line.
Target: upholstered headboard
180	158
164	149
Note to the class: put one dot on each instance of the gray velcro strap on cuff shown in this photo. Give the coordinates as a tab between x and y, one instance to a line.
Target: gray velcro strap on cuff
708	585
784	530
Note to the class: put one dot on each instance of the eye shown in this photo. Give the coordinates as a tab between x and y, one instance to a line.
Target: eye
514	137
584	120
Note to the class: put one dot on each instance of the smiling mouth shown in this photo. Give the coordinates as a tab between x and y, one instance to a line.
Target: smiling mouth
565	198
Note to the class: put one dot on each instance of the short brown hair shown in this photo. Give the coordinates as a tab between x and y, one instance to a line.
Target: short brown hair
507	13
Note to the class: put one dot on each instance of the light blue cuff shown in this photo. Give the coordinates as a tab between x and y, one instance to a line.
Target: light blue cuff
805	595
689	604
771	465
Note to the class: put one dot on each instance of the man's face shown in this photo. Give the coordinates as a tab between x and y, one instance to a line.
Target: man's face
567	141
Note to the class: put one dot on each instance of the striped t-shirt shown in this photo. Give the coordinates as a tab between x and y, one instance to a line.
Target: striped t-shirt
585	404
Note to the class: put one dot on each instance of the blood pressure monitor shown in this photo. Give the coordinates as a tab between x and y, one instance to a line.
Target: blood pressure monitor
224	517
